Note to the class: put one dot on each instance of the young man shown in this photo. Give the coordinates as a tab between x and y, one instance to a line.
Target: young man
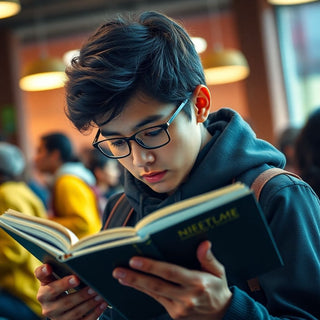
141	82
74	203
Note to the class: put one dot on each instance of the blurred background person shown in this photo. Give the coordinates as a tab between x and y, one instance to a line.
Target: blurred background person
74	203
18	285
37	184
286	144
307	151
107	173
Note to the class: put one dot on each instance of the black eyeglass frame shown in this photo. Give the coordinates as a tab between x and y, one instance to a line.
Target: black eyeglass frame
164	126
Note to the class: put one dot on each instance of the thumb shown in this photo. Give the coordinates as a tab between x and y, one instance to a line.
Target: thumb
208	261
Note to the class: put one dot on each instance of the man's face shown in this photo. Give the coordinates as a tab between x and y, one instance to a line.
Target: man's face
44	161
165	168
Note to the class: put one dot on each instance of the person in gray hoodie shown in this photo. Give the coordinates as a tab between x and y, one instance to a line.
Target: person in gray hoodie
141	82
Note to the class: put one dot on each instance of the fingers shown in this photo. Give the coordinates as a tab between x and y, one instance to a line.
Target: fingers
143	282
173	273
185	293
208	261
57	304
44	274
159	279
154	273
84	304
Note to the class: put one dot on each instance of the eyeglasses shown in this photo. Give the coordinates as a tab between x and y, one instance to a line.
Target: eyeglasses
150	138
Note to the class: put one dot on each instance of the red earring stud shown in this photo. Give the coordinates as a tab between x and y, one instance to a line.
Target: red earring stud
201	102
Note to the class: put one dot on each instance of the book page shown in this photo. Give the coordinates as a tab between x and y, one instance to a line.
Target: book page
82	251
218	196
38	248
41	228
104	236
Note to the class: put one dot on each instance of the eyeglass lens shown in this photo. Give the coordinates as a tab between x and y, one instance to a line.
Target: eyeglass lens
149	138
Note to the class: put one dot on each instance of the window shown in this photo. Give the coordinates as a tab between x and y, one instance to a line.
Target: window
299	40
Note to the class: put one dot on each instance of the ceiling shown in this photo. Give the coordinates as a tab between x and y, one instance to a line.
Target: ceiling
57	18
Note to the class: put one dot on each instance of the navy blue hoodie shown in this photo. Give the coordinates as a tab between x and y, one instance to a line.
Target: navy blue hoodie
290	205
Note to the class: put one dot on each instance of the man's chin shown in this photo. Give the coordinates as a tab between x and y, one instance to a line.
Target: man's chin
162	188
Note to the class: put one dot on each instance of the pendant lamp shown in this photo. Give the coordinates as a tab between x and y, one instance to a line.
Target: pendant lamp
46	72
222	65
289	2
9	8
43	74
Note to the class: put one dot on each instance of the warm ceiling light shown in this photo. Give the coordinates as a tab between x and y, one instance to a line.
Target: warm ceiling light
289	2
225	66
200	44
43	74
9	8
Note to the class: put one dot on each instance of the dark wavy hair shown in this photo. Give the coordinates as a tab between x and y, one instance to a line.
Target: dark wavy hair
307	151
149	53
59	141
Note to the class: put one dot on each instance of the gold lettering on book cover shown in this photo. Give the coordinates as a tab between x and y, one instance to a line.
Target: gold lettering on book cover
137	249
211	222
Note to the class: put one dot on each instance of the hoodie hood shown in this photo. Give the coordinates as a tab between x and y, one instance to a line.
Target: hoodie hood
233	150
76	169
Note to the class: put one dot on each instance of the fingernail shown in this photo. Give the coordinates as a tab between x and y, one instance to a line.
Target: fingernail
91	291
97	298
135	263
73	281
119	274
103	306
44	270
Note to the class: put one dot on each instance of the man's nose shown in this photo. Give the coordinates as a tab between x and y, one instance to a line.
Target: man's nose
140	155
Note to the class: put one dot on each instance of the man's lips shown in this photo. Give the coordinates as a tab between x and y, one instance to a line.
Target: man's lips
154	177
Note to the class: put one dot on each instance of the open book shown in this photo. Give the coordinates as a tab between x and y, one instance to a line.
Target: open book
229	217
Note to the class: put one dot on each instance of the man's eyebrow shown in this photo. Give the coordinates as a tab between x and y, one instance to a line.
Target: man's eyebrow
148	120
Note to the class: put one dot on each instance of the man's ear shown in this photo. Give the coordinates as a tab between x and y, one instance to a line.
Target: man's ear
202	102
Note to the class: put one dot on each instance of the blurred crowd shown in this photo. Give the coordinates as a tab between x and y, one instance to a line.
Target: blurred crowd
301	146
60	185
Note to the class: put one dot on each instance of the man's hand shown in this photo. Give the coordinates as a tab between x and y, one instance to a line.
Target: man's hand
57	304
186	294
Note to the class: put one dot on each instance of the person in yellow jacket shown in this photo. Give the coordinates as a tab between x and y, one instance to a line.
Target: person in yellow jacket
74	203
18	285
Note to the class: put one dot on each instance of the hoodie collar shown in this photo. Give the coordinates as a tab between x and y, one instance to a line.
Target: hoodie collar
76	169
233	150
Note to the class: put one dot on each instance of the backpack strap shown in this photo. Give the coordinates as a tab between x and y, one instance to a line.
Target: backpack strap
257	186
120	213
265	176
